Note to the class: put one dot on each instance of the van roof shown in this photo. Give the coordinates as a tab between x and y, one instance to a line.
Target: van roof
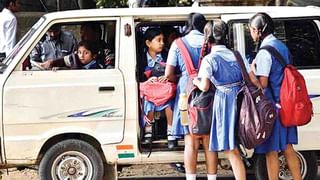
176	12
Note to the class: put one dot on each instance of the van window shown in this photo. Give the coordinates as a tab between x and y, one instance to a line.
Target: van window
63	44
300	35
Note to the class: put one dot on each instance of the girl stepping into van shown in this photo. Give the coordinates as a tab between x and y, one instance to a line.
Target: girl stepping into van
153	71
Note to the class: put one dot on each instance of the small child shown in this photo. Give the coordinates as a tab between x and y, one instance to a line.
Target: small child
84	58
154	71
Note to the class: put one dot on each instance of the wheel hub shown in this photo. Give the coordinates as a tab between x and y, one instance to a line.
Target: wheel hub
72	165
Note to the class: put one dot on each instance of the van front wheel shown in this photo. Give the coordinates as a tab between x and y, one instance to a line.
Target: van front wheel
308	166
71	159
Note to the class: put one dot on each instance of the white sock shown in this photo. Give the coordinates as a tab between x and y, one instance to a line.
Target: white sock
191	176
211	176
169	129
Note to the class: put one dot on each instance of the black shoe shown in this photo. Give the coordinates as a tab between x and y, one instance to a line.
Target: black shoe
147	138
172	144
178	167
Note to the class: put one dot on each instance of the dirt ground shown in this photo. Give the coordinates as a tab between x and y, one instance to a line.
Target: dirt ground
131	171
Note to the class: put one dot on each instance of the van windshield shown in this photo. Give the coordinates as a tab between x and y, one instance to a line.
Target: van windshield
5	63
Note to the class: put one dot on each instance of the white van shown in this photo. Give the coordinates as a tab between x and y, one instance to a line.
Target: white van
75	123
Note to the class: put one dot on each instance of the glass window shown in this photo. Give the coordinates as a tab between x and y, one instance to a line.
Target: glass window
75	45
300	35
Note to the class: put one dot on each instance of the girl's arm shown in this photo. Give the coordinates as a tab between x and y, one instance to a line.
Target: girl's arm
203	84
256	81
170	73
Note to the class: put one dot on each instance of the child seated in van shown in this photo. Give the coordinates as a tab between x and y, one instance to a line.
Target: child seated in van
153	71
84	58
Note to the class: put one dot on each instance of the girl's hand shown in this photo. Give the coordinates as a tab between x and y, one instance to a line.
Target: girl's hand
196	81
162	79
153	79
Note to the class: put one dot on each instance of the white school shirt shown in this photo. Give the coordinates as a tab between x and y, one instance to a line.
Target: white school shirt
8	31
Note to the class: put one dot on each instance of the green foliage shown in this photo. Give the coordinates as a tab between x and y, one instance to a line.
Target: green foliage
111	3
124	3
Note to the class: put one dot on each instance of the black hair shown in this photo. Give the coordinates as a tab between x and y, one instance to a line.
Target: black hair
94	26
151	33
6	3
196	21
263	23
216	32
55	27
219	32
90	45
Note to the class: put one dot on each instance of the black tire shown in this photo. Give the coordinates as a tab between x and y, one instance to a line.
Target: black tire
71	158
308	166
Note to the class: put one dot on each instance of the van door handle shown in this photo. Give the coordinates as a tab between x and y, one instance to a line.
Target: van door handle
106	88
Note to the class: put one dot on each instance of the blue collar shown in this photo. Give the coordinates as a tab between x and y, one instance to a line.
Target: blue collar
151	62
90	65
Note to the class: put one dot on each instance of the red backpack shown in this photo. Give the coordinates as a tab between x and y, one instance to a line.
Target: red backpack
296	107
200	103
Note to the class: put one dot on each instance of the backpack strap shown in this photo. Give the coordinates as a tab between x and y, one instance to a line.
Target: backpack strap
244	72
274	52
186	57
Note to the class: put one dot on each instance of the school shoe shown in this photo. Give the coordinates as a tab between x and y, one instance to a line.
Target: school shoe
147	138
172	142
178	167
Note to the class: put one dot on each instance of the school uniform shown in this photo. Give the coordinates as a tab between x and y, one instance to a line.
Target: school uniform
72	61
155	67
223	70
194	41
269	67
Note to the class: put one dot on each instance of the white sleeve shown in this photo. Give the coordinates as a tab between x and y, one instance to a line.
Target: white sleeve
11	34
172	58
207	68
263	63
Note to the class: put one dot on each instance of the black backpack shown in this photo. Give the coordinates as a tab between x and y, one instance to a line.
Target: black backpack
200	103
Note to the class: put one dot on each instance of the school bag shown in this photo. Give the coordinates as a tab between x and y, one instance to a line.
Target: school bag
200	103
157	92
296	106
255	112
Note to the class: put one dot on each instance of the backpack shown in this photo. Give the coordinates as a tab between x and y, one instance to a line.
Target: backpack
157	92
256	113
200	103
296	107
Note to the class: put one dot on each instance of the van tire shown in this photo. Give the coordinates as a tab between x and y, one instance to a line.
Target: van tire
308	163
81	159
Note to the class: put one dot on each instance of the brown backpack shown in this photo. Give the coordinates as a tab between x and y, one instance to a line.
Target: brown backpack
256	113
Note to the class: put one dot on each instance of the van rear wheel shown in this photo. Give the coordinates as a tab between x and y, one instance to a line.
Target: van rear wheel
71	159
308	166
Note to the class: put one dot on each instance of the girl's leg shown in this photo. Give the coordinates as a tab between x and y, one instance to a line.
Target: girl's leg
236	163
171	139
273	165
169	115
211	158
293	162
190	155
148	127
